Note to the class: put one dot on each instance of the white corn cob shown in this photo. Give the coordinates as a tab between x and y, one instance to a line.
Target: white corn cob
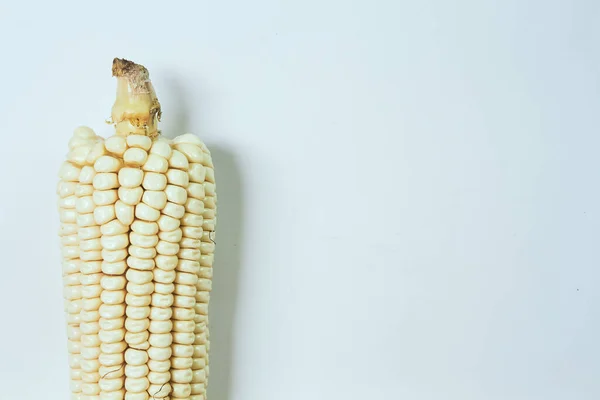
138	215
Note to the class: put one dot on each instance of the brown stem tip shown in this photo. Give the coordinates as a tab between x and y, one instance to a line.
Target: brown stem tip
136	74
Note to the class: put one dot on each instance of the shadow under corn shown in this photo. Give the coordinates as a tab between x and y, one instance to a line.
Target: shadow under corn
228	244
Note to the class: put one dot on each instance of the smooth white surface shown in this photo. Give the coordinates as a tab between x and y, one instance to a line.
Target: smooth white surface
408	190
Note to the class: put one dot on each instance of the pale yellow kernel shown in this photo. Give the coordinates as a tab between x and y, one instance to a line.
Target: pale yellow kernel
196	190
197	173
107	164
176	194
204	285
83	220
113	282
113	336
116	144
166	263
136	385
124	212
92	255
105	197
164	276
130	177
182	362
112	385
142	252
146	212
167	223
85	204
143	240
104	214
113	296
178	160
184	337
162	301
113	348
158	378
68	202
90	244
181	390
160	326
90	279
87	174
178	177
193	232
114	255
154	181
184	278
192	151
89	316
194	206
161	148
136	325
114	227
189	219
174	210
69	172
155	199
111	324
69	216
159	353
181	375
160	339
184	326
90	328
114	267
205	272
139	277
90	291
136	371
209	188
163	288
136	357
210	175
167	248
137	340
131	195
105	181
145	228
184	301
142	264
185	290
160	391
67	229
160	314
183	314
115	242
189	243
84	190
140	290
136	300
190	266
141	141
156	163
135	157
112	311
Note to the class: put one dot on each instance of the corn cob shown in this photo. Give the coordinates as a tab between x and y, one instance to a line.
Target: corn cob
138	215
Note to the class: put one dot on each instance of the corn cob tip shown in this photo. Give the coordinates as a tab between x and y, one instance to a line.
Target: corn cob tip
136	101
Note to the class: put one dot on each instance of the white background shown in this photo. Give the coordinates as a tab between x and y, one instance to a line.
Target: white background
409	203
